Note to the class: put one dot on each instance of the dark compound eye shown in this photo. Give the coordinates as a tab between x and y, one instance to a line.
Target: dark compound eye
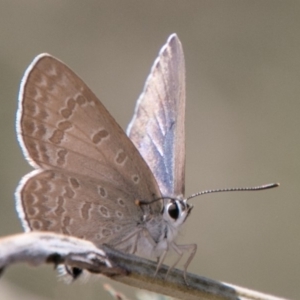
173	211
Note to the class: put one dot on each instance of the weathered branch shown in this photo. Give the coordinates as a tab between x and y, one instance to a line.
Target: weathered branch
38	248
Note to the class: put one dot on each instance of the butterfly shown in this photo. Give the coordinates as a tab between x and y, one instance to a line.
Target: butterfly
93	181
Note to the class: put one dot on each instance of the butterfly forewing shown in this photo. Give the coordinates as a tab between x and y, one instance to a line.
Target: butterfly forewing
63	128
157	127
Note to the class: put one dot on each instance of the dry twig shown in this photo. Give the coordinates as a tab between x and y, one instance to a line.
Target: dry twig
38	248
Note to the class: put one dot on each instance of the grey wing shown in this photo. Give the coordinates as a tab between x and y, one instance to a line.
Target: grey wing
158	126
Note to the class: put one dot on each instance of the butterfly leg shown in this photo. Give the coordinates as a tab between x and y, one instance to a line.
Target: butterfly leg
180	249
160	261
161	258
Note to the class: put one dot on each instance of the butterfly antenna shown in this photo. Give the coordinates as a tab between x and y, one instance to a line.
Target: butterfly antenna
238	189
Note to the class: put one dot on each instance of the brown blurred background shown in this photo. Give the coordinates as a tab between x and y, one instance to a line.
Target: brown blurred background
243	105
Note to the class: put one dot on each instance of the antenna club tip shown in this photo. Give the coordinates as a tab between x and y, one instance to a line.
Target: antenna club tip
137	202
273	185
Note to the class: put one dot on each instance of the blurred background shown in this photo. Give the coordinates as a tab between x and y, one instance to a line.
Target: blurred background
242	123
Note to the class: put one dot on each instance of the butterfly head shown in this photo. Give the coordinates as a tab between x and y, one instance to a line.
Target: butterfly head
176	211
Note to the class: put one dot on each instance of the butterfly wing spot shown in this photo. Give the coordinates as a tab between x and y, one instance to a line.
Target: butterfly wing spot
60	210
74	182
135	178
32	211
80	100
99	136
121	157
68	111
104	211
28	126
36	225
35	109
36	95
121	202
119	214
118	227
86	210
61	160
41	131
69	193
102	192
57	137
59	134
64	125
30	199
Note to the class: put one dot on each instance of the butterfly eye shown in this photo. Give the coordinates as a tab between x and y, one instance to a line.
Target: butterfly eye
173	211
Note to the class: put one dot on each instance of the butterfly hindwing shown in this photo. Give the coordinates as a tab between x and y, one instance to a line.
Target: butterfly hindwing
75	205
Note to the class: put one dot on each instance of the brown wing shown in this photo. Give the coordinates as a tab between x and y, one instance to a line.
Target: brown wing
63	127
